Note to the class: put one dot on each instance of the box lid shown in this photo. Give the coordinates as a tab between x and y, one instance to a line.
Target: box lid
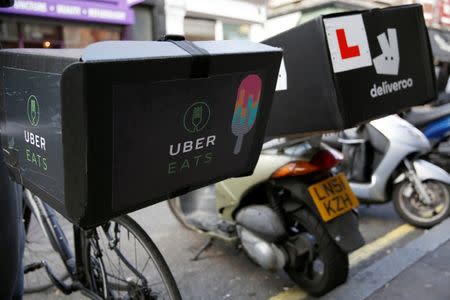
132	50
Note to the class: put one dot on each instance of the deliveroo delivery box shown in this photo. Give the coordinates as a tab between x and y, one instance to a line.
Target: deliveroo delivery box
118	126
343	69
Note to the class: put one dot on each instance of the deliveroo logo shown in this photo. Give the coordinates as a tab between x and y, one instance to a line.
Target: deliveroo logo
388	61
33	110
196	117
246	108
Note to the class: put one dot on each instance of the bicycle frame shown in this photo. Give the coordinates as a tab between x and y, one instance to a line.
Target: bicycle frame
50	226
79	262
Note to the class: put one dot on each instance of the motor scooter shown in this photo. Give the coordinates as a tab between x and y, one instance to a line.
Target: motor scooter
434	121
291	213
384	160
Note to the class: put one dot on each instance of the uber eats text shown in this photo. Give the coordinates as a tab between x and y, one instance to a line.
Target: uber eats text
193	147
31	154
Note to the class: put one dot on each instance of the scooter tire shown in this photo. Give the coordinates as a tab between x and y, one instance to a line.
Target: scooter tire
335	261
174	206
415	221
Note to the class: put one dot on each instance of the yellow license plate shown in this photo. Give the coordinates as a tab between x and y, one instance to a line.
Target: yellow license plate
333	197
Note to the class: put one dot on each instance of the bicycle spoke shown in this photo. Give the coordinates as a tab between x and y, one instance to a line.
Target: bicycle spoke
145	266
135	254
115	277
126	262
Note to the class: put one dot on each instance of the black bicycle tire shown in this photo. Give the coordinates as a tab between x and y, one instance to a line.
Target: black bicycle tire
153	251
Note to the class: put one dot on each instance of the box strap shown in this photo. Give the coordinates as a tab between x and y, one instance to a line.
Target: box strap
200	63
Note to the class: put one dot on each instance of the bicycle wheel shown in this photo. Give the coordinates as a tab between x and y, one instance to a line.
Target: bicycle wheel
124	263
39	246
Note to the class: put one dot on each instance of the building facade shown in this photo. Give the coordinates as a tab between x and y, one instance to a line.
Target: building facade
285	14
77	23
289	13
216	19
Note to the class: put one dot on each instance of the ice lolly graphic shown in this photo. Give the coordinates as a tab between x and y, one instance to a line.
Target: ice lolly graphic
246	108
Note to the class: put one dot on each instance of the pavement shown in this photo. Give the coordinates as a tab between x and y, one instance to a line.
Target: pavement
430	275
381	278
397	262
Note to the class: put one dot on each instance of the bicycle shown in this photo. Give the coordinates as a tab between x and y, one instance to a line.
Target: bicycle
90	267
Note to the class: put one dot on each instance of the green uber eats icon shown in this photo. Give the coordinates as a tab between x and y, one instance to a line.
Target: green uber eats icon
33	110
196	117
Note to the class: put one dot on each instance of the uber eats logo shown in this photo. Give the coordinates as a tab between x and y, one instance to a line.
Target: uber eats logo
194	151
196	117
33	110
35	152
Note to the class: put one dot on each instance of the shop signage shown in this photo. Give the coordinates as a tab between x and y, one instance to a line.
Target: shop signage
112	12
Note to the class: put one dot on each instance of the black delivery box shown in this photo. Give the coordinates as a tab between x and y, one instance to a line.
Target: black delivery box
122	125
343	69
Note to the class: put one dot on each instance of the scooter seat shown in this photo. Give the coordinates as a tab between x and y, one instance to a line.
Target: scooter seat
421	115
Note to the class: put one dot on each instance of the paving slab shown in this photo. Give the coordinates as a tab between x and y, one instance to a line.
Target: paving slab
429	278
368	281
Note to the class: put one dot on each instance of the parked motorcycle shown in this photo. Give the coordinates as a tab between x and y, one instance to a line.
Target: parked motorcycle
434	122
291	213
383	161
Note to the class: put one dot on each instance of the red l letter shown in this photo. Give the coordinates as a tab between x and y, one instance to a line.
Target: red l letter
346	51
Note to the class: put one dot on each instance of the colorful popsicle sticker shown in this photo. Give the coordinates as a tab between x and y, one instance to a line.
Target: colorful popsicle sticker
246	108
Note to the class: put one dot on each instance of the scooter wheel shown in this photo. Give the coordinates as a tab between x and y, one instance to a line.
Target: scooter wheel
328	267
174	206
413	211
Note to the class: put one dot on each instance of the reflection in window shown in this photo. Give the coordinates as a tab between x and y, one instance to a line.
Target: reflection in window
41	36
9	34
17	33
236	31
199	29
79	36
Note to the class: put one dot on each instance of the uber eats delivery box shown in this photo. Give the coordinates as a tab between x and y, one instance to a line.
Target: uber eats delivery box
121	125
343	69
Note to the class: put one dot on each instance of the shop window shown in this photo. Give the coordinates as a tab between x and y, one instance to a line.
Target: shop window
9	34
199	29
17	33
236	31
79	36
41	36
